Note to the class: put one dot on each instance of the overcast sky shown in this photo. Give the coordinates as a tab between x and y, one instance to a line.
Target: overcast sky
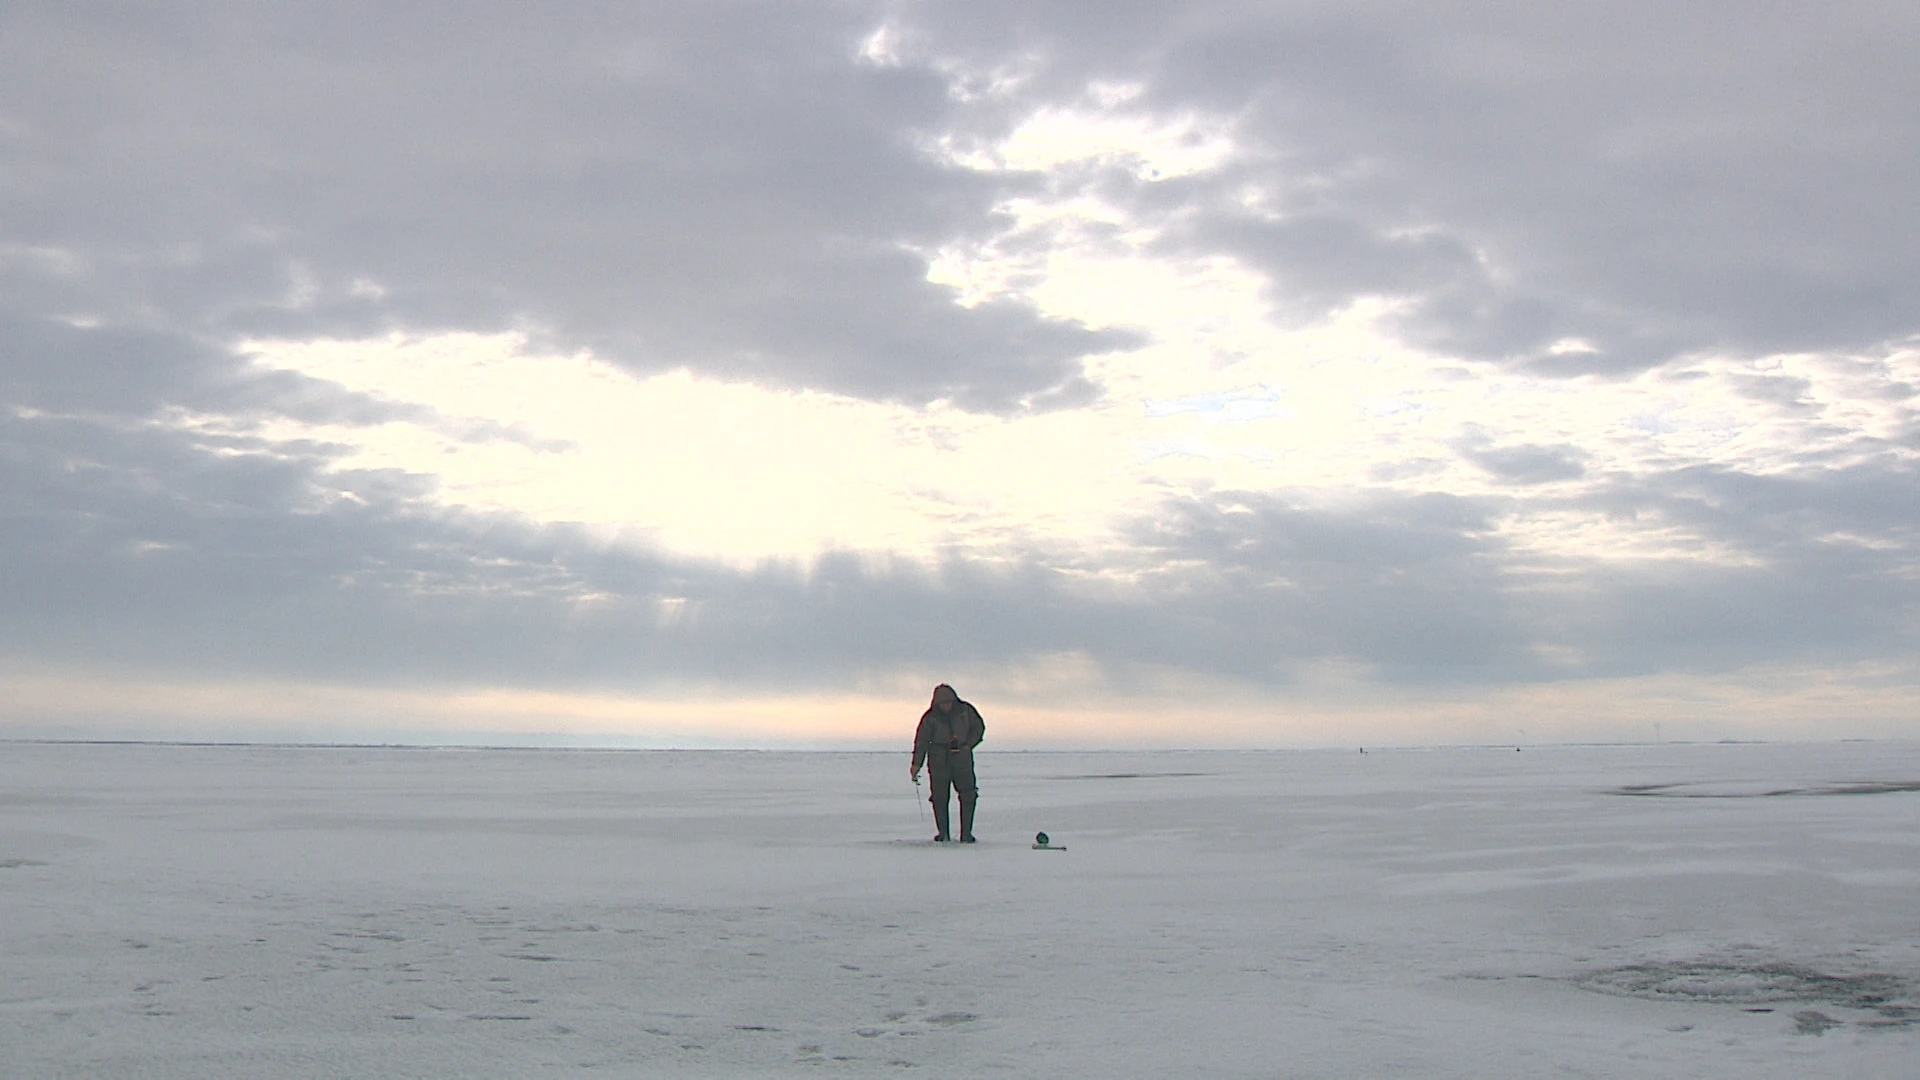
1197	373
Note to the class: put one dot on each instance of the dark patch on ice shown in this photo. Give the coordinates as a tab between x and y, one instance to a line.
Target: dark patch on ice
495	1016
952	1018
753	1027
1733	983
12	864
1130	776
1814	1022
1733	790
538	957
1756	986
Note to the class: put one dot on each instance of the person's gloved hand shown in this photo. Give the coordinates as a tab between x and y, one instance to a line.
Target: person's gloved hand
914	772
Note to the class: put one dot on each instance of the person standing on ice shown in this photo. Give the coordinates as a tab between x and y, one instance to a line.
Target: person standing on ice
944	742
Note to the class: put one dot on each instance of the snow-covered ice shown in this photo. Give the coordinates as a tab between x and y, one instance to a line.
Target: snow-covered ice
1721	910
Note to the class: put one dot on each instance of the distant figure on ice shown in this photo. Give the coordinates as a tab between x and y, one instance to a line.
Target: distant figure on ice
944	742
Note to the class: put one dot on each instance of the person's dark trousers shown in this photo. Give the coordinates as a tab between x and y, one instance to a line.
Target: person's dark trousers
957	775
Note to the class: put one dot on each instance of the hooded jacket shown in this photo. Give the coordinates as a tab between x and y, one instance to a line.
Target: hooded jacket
938	732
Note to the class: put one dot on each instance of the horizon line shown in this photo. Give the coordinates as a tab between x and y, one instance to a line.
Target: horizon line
613	748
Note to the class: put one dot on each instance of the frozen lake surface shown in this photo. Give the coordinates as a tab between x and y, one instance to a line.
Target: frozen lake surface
1728	910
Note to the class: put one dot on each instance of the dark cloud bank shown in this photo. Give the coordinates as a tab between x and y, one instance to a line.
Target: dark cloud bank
710	185
723	187
1651	178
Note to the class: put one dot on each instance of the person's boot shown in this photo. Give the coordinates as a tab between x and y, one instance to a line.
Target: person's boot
940	821
966	822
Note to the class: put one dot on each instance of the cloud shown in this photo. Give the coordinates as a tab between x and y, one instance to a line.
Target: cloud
1526	464
1431	590
722	188
1655	180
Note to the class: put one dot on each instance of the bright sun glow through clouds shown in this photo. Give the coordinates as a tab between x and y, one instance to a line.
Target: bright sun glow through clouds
1222	398
743	473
